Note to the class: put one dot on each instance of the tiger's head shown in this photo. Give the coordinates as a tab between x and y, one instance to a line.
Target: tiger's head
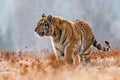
45	26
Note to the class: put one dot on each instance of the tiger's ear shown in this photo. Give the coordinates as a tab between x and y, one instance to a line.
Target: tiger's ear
43	15
50	18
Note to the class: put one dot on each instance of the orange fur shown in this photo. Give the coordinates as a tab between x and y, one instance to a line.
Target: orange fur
68	38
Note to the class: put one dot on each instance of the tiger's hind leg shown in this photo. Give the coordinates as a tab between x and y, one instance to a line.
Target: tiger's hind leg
76	58
85	56
69	52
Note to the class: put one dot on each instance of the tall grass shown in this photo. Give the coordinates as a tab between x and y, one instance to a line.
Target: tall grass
42	65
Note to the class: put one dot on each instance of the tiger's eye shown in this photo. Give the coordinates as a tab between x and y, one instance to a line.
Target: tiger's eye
41	23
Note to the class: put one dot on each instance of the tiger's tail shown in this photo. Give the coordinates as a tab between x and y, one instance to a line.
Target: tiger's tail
100	47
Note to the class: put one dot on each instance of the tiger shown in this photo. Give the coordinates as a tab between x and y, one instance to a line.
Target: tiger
69	38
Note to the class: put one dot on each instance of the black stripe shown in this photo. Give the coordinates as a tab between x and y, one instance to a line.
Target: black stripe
57	49
58	33
61	52
82	32
94	42
82	38
70	37
85	32
64	38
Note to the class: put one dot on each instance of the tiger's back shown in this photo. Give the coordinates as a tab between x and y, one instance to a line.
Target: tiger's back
83	33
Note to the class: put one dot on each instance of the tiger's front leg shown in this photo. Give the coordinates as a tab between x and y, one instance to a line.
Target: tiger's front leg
59	55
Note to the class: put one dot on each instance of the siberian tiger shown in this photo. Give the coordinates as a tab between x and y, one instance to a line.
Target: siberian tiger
69	37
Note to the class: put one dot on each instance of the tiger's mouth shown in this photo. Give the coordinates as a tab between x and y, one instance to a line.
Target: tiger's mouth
40	33
44	32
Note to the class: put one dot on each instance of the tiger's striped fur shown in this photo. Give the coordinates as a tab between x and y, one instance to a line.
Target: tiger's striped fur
69	37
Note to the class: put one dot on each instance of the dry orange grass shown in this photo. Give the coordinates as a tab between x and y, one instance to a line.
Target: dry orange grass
42	65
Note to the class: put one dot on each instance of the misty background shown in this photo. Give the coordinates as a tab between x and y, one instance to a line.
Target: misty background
18	18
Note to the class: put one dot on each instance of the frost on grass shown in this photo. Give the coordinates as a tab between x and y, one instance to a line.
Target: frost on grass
42	65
